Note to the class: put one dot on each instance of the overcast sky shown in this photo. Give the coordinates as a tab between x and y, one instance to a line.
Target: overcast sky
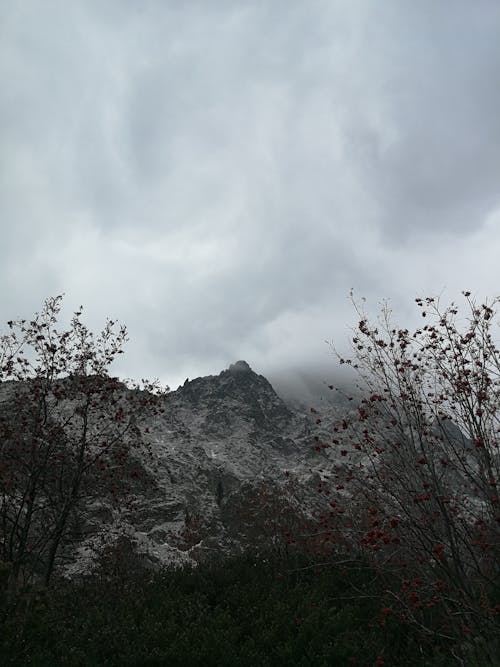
217	175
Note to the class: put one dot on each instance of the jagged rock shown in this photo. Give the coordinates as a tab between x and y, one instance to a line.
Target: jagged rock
221	467
220	448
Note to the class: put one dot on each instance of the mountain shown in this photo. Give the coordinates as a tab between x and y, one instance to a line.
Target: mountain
225	466
223	451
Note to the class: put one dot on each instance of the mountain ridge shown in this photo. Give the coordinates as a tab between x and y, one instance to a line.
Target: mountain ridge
206	466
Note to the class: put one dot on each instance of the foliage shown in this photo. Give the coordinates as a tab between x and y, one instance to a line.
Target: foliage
244	611
67	430
415	468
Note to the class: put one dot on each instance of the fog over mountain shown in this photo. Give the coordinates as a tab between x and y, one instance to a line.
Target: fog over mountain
216	470
219	175
224	467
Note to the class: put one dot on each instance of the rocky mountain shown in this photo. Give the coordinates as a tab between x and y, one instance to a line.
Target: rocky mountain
222	456
225	466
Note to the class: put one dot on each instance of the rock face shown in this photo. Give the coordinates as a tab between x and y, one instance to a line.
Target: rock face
226	466
233	405
220	454
216	469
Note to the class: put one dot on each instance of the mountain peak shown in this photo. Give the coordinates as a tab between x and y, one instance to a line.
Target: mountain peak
240	367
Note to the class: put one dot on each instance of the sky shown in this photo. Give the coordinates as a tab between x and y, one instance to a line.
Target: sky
219	175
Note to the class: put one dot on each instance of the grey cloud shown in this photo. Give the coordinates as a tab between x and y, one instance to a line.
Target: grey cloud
218	175
440	168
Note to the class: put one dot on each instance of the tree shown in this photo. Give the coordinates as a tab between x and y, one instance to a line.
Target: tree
415	465
67	431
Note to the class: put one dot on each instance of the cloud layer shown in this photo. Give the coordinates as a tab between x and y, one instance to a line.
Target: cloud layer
219	175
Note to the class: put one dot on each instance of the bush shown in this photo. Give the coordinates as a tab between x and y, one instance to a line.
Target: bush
415	470
243	612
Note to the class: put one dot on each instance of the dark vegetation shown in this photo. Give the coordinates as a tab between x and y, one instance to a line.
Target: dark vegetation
68	433
412	472
243	612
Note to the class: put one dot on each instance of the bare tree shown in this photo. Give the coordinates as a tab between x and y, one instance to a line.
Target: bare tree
66	432
416	463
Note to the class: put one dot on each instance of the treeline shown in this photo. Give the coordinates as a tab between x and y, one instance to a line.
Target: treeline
245	611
